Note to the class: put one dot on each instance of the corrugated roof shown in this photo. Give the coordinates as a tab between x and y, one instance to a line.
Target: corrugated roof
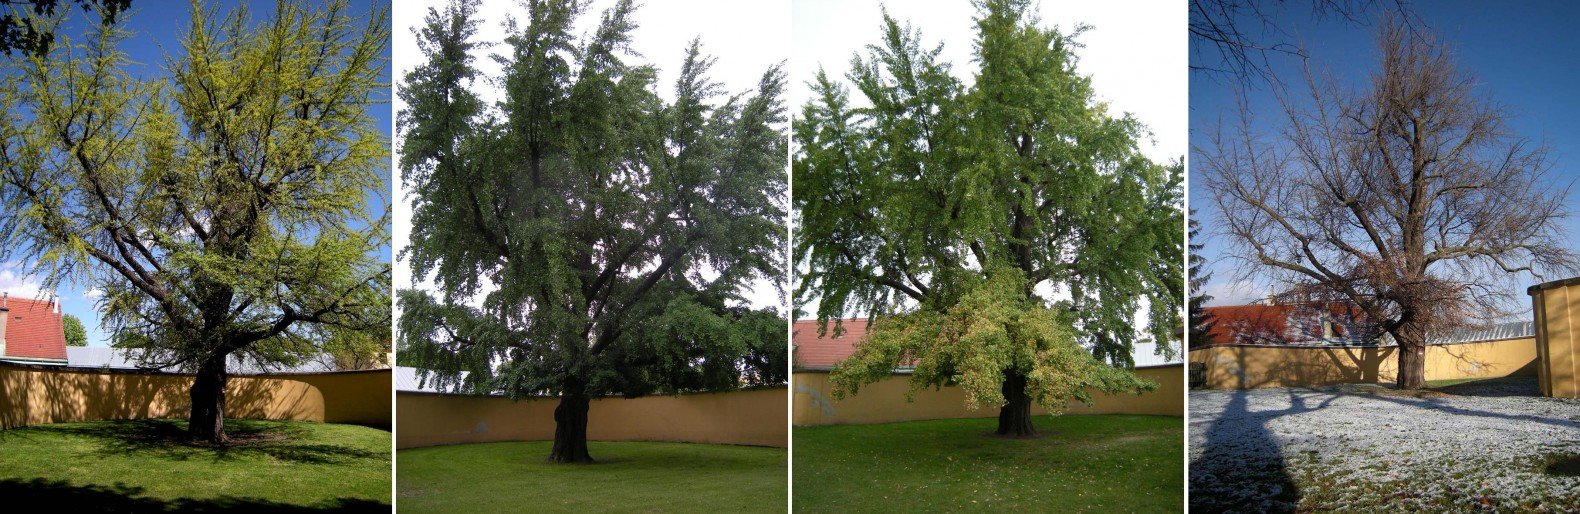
406	380
120	358
33	330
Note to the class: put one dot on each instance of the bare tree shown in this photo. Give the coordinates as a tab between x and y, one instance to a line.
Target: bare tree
1238	39
1410	197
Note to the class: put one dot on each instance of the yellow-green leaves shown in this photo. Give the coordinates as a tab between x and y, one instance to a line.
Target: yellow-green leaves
219	205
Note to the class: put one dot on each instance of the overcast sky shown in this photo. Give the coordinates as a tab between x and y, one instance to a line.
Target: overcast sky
1135	54
747	38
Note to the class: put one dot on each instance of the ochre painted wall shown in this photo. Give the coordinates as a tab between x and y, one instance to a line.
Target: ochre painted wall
884	401
32	395
754	417
1557	307
1246	367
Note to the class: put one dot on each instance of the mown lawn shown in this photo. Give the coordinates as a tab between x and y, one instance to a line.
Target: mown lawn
146	466
1107	463
628	477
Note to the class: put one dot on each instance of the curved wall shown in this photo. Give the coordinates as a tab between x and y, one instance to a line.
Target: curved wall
31	395
884	401
1246	366
752	417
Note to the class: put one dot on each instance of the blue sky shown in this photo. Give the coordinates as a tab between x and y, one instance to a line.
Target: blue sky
1525	55
157	26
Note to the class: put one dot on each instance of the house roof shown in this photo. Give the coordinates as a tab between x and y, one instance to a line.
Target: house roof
1282	324
816	352
33	330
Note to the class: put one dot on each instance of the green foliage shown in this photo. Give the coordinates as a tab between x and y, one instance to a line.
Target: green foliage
1200	321
585	234
913	202
75	334
992	327
221	207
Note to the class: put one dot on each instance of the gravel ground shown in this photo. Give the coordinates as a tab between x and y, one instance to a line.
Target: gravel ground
1483	446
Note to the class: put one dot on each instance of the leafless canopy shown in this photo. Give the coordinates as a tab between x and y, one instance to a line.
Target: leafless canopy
1409	196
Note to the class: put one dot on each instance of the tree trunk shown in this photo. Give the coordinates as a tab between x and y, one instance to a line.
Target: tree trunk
1411	356
1412	364
1014	418
570	425
207	420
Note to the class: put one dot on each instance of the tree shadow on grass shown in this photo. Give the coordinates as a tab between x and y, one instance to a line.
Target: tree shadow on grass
167	439
66	497
1242	467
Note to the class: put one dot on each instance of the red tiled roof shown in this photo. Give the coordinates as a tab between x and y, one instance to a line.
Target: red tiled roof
33	329
812	351
1271	324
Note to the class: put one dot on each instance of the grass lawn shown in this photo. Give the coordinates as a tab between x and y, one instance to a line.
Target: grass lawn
629	476
1106	463
145	466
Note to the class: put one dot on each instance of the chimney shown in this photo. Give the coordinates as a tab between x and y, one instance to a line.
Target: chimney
5	318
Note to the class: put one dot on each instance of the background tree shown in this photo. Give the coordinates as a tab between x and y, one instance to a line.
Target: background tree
587	238
1410	197
1200	322
75	334
19	32
223	209
1005	236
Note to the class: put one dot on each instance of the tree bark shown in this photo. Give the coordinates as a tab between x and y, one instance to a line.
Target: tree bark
207	420
570	425
1411	336
1014	418
1412	364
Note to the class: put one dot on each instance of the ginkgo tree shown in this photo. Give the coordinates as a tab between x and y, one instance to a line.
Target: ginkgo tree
222	205
1006	235
584	237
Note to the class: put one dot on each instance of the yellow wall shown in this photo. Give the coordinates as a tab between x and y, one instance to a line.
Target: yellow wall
1557	307
1244	367
884	401
31	395
753	417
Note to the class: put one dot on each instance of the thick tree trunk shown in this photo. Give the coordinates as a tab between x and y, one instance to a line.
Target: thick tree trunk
570	425
207	420
1014	418
1412	365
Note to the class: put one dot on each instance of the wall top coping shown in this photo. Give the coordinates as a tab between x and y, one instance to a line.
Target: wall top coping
1552	285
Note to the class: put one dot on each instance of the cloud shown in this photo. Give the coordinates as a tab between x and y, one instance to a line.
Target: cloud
93	293
1237	292
19	284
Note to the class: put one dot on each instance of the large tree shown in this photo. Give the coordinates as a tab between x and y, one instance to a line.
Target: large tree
585	237
1410	197
222	208
1006	236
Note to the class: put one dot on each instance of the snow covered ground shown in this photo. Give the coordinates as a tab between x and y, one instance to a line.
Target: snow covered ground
1469	447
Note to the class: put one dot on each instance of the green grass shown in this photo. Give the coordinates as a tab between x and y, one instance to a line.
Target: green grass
1076	464
628	477
146	466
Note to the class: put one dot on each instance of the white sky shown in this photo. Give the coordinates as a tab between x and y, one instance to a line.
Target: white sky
664	29
1135	54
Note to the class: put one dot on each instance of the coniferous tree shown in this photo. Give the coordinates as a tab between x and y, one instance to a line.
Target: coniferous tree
1006	236
1200	321
222	209
585	237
